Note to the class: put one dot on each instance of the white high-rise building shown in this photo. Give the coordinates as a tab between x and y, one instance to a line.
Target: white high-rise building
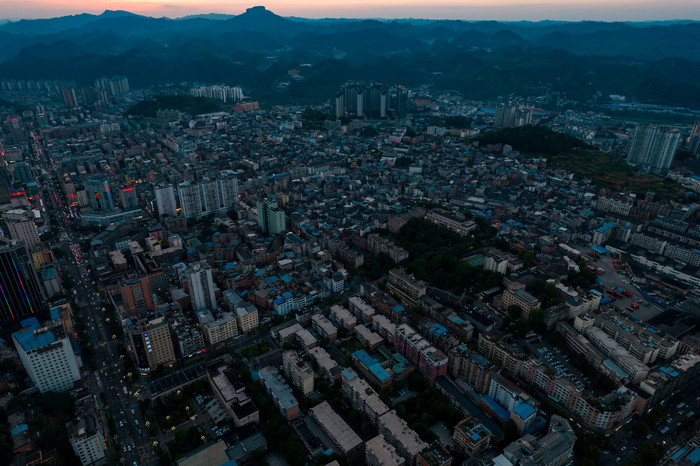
21	224
208	197
190	199
47	356
87	440
653	148
165	199
201	287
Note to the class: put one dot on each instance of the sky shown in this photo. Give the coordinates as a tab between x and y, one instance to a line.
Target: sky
508	10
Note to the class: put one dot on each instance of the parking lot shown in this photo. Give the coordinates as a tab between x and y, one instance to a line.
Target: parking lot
612	280
558	362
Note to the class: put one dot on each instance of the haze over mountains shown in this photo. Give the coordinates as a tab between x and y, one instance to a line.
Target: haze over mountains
649	62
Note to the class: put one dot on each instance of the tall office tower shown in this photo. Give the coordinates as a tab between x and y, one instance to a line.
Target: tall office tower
694	142
190	199
87	439
653	148
201	287
99	195
129	199
271	218
20	223
69	97
151	343
505	116
47	356
137	295
4	184
22	172
20	290
165	200
401	102
14	128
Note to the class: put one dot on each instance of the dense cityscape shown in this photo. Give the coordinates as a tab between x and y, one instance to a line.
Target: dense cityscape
394	275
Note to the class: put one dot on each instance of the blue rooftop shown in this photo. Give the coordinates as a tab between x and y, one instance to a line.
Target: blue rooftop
694	456
372	365
29	341
524	410
495	407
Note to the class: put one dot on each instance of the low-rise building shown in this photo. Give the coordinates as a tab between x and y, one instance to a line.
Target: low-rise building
298	371
337	430
280	392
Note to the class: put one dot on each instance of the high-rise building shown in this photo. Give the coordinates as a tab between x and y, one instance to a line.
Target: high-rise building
20	223
99	195
208	197
69	97
694	141
201	287
4	184
114	86
151	343
137	295
652	149
22	172
129	199
165	200
20	291
271	218
87	439
47	356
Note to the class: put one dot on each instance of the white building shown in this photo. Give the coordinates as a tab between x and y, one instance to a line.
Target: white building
48	357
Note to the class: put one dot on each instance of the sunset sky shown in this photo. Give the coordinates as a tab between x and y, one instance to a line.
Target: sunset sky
607	10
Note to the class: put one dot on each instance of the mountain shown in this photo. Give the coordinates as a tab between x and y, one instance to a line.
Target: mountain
656	62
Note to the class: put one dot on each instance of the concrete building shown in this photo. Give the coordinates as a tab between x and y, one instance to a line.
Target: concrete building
653	148
165	200
137	295
343	317
99	195
337	430
201	288
471	437
47	356
328	366
23	294
280	392
217	329
406	288
230	392
324	327
20	223
87	440
450	221
397	434
151	343
371	369
379	453
298	371
553	449
248	319
520	298
362	397
430	361
368	338
271	218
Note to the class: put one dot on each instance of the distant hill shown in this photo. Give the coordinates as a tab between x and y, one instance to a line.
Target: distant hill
656	62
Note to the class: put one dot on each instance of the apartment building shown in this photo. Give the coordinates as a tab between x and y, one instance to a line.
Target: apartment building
299	371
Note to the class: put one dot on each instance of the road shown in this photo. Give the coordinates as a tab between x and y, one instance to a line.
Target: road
129	438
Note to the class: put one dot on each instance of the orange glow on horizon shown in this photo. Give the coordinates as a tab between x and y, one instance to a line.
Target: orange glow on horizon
607	10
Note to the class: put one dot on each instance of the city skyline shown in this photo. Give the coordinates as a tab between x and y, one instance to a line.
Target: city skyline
504	10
